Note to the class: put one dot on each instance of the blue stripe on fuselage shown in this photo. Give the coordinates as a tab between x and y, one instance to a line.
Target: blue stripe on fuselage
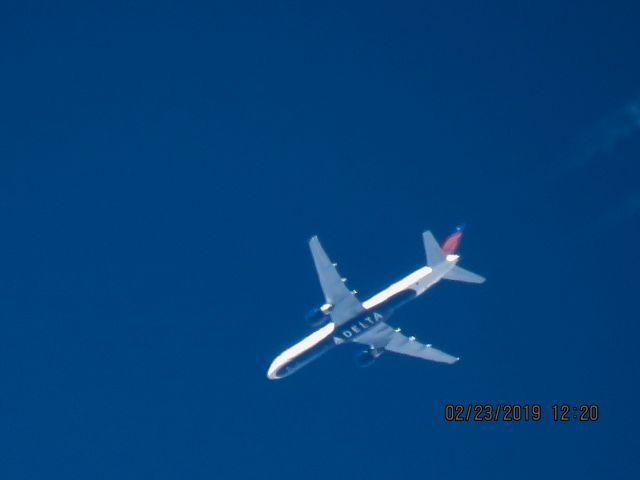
305	357
394	302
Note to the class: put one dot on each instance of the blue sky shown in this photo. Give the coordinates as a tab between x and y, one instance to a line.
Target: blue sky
163	164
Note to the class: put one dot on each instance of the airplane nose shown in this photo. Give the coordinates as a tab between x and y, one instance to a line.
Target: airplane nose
272	372
279	369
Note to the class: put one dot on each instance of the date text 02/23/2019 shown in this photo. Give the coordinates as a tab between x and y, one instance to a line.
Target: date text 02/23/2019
516	412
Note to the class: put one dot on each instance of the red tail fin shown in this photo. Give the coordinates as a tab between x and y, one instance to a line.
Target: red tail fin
451	244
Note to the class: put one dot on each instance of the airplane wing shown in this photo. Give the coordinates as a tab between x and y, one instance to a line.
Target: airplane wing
384	336
345	304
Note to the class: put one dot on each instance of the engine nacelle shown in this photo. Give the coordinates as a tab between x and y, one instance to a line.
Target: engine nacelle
365	358
319	316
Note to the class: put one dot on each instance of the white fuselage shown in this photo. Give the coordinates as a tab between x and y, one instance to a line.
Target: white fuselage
420	281
322	340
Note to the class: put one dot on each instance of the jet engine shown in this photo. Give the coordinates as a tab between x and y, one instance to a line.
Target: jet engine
366	358
319	316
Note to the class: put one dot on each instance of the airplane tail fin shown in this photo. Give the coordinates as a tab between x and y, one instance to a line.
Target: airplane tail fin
435	255
452	243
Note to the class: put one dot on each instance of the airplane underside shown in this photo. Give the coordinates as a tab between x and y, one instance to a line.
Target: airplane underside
342	318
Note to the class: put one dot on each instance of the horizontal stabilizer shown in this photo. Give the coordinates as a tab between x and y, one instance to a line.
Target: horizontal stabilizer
459	274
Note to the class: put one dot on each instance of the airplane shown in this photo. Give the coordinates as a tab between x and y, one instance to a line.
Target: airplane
344	319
